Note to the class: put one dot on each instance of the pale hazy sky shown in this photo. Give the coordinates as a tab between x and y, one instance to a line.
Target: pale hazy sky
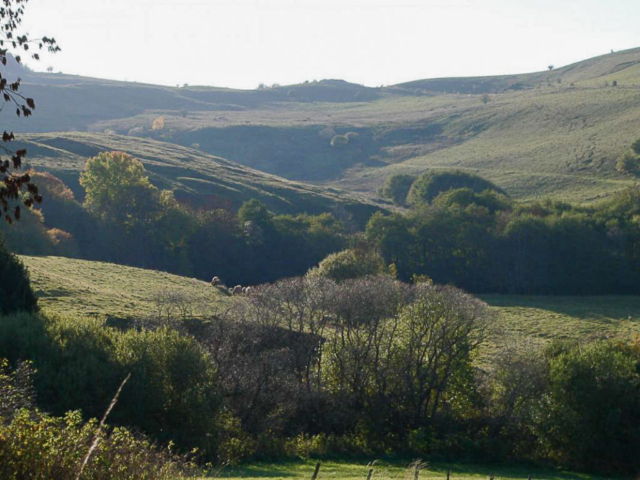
241	43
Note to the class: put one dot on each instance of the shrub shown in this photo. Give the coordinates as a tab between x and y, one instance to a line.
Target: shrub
431	184
80	362
351	263
397	187
463	197
629	163
16	293
37	446
172	393
28	236
590	419
63	242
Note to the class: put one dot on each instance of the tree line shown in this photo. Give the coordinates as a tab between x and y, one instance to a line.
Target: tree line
125	219
460	230
463	231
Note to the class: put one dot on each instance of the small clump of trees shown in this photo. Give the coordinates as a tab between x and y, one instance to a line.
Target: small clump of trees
397	188
465	231
431	184
629	163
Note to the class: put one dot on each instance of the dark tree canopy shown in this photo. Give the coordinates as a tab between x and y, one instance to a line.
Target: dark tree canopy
15	290
397	188
431	184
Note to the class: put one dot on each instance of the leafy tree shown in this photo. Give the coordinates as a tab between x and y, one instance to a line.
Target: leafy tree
590	418
117	188
489	199
16	293
629	163
431	184
28	236
351	263
397	187
437	336
392	235
255	211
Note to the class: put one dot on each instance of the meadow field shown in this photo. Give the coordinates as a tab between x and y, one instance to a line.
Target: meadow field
88	288
393	470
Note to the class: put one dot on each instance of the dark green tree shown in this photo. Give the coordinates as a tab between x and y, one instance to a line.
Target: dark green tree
431	184
590	418
16	293
397	187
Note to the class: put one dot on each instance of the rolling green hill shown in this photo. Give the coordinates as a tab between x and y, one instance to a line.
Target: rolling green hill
82	287
193	175
552	133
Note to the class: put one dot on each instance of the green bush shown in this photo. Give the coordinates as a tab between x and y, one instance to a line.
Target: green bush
629	163
80	362
463	197
16	293
35	445
172	392
397	187
590	418
431	184
29	235
351	263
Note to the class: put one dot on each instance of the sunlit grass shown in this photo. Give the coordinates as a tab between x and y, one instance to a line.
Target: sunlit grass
347	470
95	288
81	287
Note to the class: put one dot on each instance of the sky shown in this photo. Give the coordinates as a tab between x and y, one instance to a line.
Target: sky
242	43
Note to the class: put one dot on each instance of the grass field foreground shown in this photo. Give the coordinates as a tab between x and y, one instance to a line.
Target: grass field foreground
397	470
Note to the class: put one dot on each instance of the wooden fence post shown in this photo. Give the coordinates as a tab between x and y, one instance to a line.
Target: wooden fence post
315	473
448	474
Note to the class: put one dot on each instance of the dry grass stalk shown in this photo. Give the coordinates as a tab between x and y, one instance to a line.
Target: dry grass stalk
96	438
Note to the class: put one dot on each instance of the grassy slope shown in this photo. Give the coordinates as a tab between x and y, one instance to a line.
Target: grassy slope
561	139
70	286
537	320
335	470
559	134
95	288
188	171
